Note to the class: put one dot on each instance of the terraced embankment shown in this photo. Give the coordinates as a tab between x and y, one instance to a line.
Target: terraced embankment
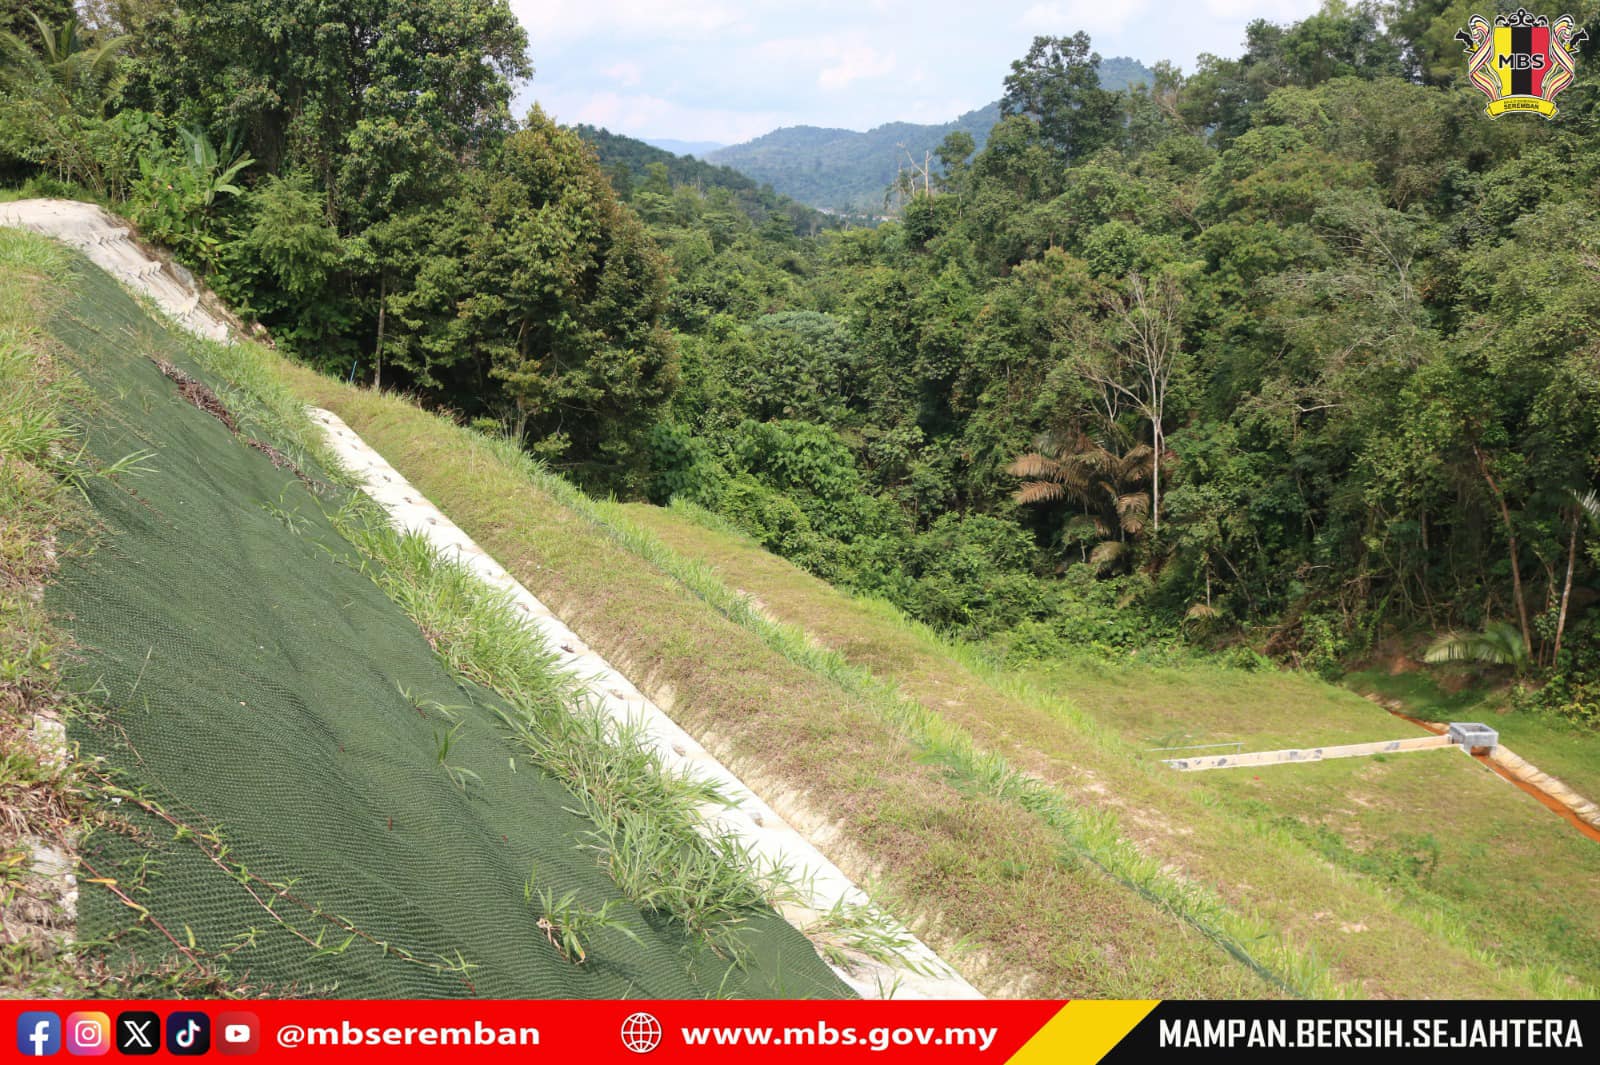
290	792
998	891
1417	875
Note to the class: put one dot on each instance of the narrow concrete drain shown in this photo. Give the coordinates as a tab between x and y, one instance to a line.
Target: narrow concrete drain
753	821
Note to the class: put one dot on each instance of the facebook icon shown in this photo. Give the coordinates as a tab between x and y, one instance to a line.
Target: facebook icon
38	1034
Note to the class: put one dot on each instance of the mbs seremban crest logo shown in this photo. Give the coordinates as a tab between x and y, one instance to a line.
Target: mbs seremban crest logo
1522	61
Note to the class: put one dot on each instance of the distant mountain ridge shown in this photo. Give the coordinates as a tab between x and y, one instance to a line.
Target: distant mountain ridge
627	160
698	149
847	171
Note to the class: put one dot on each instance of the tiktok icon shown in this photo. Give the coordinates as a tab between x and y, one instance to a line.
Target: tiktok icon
188	1033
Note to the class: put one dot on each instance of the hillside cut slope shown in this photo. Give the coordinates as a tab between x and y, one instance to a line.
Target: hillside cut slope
298	797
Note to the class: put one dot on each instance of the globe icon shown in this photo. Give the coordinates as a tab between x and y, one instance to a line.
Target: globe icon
641	1033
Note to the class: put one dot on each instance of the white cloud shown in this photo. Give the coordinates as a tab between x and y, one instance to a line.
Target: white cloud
1271	10
1060	18
851	63
626	74
562	20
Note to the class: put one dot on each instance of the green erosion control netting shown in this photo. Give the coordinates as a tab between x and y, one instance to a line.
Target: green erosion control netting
283	718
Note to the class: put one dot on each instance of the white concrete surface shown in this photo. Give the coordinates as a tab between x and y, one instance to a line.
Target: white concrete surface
1310	754
109	244
752	821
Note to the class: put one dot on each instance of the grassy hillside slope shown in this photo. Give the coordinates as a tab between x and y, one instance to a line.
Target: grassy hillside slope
1375	865
1014	901
999	814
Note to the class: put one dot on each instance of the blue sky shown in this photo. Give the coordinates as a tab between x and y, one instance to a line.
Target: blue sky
729	70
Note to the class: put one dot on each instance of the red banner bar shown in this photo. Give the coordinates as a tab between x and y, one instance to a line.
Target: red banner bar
563	1031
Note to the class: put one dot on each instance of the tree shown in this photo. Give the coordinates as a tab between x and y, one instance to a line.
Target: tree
1586	505
57	83
1137	358
1107	485
548	296
1057	84
380	100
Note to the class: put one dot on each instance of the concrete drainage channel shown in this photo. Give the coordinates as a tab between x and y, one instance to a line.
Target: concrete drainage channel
1472	737
919	973
750	820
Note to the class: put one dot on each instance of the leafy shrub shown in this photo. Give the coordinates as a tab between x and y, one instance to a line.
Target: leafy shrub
176	197
1572	691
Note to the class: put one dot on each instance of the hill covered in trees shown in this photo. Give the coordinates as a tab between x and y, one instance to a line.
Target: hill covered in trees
849	172
633	164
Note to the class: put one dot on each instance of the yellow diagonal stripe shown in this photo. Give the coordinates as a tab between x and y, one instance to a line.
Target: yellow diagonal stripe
1502	46
1082	1033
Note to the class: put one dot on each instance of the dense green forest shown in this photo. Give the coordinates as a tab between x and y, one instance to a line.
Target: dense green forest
632	163
849	172
1278	355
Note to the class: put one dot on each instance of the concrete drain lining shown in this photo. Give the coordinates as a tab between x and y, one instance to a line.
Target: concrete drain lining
1555	795
753	822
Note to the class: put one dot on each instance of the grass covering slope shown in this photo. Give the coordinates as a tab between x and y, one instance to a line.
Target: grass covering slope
1376	865
1557	746
290	787
998	888
38	467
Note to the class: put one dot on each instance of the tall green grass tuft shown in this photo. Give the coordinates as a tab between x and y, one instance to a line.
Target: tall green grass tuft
649	835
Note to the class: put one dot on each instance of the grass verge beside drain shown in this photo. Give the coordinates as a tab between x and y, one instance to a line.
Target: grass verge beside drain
1076	836
1363	912
650	839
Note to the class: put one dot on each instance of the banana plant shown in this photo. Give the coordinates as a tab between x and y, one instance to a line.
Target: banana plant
212	176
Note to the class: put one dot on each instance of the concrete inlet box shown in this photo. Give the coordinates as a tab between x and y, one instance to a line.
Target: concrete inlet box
1474	736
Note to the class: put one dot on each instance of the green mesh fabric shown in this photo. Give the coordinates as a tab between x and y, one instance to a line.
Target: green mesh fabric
263	692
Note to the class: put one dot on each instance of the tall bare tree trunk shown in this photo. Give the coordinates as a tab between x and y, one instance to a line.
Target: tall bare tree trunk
1155	485
1566	588
377	372
1511	538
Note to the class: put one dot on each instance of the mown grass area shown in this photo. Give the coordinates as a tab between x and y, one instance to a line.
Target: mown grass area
1558	747
1008	893
1378	922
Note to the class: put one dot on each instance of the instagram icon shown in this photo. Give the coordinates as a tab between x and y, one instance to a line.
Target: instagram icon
88	1033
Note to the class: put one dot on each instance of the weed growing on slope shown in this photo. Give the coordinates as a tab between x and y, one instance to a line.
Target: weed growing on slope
649	819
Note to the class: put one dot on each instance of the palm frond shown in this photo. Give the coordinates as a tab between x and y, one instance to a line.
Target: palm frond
1589	503
1499	644
1133	505
1107	554
1040	492
1035	465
